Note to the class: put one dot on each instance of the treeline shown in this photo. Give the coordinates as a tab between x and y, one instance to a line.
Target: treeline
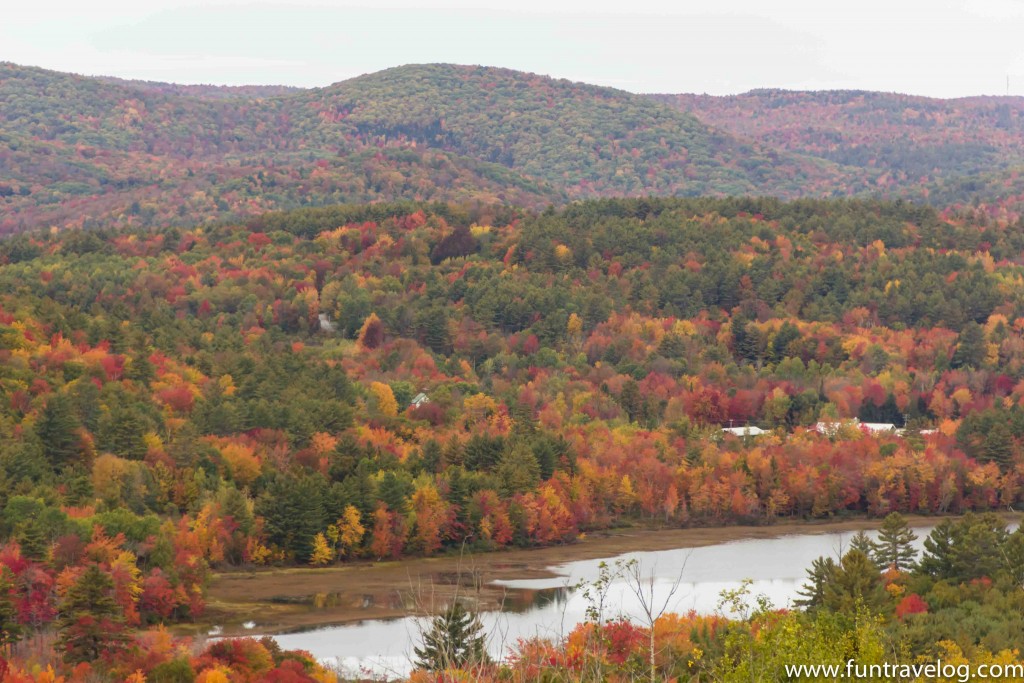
954	605
187	399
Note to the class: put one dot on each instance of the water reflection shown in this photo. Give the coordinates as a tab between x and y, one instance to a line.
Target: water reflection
525	600
551	607
318	602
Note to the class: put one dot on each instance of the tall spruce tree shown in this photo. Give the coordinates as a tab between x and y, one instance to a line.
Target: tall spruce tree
57	429
90	622
970	349
10	628
455	640
855	582
812	594
895	545
863	543
293	509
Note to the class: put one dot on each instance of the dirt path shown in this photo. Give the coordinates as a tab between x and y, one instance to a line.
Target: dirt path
285	599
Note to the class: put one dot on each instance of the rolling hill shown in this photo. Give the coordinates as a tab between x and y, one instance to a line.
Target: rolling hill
901	143
78	152
84	152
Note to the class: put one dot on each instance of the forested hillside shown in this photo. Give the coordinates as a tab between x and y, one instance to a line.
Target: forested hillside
102	152
88	152
901	144
238	394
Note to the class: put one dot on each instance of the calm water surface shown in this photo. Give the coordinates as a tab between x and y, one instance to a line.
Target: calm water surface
550	608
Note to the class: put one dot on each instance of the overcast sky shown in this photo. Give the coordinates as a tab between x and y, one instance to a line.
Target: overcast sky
942	48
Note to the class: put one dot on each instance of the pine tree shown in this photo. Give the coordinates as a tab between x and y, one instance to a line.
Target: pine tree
812	594
518	470
140	369
999	445
455	640
293	511
32	539
631	400
863	543
10	628
970	348
855	582
121	432
937	560
895	545
57	429
90	623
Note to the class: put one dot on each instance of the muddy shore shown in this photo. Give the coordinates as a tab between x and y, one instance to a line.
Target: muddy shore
280	600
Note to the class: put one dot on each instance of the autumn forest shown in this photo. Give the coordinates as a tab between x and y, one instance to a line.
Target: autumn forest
219	352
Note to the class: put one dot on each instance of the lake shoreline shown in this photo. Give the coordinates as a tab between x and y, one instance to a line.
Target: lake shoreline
281	600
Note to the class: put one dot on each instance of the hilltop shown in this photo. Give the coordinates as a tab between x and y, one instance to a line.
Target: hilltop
84	152
93	152
902	143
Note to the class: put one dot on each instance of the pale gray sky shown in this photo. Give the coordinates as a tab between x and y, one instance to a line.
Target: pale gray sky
943	48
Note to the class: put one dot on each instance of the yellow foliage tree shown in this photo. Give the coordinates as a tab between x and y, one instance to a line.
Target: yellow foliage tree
243	462
322	553
479	407
349	530
108	475
563	254
227	385
217	674
386	403
574	330
626	497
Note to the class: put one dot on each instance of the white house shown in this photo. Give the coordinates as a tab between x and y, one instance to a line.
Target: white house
877	427
419	400
325	323
829	428
744	431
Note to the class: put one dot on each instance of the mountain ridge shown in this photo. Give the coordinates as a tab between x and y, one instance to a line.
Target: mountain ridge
86	151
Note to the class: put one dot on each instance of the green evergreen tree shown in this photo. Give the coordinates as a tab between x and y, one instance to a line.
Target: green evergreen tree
855	582
460	488
140	370
965	549
631	400
11	630
1013	557
998	446
518	470
971	348
431	457
524	422
394	489
786	335
121	432
937	559
57	428
482	452
979	553
90	622
862	542
895	545
455	641
812	594
32	539
293	509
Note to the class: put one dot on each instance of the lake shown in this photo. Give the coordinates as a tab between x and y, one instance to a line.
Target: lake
550	608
